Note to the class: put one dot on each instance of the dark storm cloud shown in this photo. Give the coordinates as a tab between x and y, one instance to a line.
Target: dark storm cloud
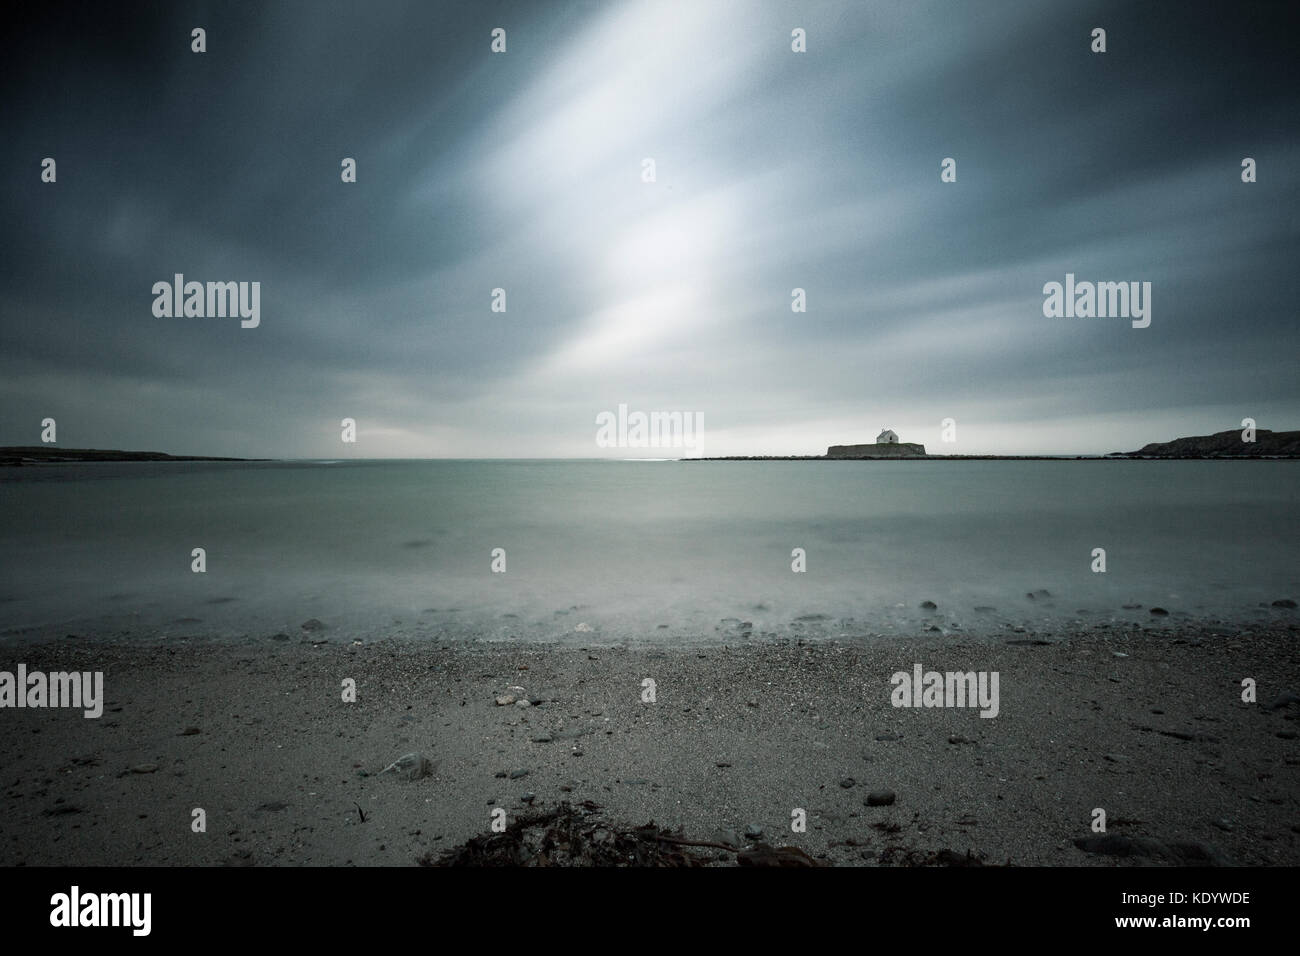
775	170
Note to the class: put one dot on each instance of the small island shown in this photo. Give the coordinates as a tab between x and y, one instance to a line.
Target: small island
887	445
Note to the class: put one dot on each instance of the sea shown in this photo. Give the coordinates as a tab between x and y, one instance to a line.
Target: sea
670	552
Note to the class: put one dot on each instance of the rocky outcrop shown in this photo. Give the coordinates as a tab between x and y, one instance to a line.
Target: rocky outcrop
893	450
1223	445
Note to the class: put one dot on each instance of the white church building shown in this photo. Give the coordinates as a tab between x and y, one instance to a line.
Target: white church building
887	437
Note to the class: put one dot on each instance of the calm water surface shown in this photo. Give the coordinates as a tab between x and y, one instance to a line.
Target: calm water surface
611	550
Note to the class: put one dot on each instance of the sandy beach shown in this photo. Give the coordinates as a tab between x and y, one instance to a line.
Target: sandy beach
1147	724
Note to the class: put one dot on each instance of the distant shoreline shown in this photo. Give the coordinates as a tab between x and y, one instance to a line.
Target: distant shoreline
1125	457
32	455
1249	444
20	455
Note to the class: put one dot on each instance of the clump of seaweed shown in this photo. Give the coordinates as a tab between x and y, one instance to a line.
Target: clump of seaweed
569	835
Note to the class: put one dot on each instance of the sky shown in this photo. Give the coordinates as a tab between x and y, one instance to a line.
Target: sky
524	170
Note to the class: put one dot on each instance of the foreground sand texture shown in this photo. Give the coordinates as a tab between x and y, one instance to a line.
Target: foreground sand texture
1150	727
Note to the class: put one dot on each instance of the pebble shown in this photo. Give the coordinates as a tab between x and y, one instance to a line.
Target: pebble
847	782
753	832
528	797
728	837
516	774
1159	612
880	798
312	625
505	700
929	606
412	766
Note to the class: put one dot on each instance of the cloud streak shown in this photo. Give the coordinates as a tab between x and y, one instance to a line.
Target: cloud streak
522	171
